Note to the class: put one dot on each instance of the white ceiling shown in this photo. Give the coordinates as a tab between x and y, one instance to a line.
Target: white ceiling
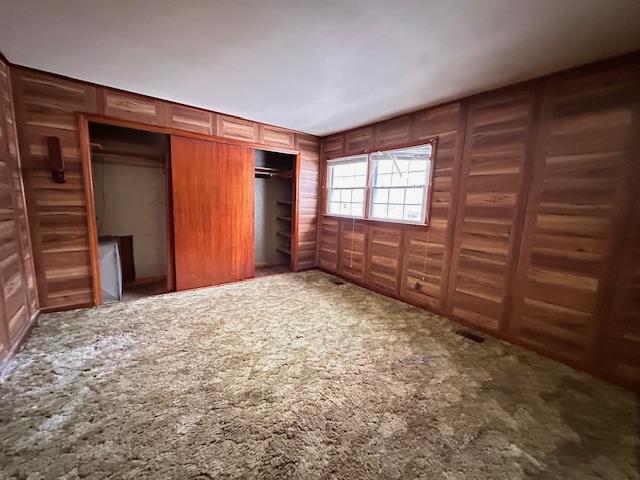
318	66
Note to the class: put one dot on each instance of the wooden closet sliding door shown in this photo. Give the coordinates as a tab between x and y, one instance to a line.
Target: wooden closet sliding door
212	187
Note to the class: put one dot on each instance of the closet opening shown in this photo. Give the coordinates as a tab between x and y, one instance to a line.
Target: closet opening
273	211
130	172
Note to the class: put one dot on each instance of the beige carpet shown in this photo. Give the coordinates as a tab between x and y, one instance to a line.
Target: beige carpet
291	376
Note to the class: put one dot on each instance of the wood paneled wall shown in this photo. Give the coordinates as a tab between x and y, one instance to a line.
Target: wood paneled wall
47	105
534	220
18	298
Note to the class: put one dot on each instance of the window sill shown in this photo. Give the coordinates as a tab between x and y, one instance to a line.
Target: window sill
370	221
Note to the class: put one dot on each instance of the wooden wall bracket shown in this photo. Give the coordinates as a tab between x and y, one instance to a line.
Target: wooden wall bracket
55	159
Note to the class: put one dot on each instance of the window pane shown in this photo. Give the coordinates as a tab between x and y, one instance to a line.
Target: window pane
380	195
413	213
417	178
398	179
379	210
360	169
393	170
384	166
334	207
414	196
395	212
383	180
348	179
419	165
396	195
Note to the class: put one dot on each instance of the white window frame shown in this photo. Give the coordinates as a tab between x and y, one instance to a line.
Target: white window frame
426	188
369	188
343	161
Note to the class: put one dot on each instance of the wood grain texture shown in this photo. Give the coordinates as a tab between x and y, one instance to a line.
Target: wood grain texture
584	143
384	258
359	141
333	146
237	128
212	186
48	105
328	239
490	195
306	207
128	106
276	137
532	236
621	343
191	119
353	249
18	296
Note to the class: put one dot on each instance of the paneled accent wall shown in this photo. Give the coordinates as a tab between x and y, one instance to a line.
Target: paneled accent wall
491	197
533	229
18	298
47	105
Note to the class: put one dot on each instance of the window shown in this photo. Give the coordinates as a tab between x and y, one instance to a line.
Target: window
391	185
347	181
400	179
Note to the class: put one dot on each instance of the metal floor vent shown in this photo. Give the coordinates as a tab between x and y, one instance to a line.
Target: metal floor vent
470	335
336	281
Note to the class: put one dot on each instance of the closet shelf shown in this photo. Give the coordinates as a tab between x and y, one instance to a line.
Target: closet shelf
284	250
268	172
287	204
103	152
284	219
284	234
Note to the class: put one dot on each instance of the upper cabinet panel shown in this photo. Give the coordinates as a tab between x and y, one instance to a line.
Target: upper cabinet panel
46	101
237	128
129	106
277	137
191	119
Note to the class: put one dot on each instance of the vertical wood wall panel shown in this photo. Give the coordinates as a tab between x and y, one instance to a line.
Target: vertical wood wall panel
383	258
490	194
307	208
18	296
621	353
328	240
353	250
585	140
47	105
530	207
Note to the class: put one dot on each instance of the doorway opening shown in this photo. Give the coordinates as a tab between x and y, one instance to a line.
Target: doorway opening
132	200
273	211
